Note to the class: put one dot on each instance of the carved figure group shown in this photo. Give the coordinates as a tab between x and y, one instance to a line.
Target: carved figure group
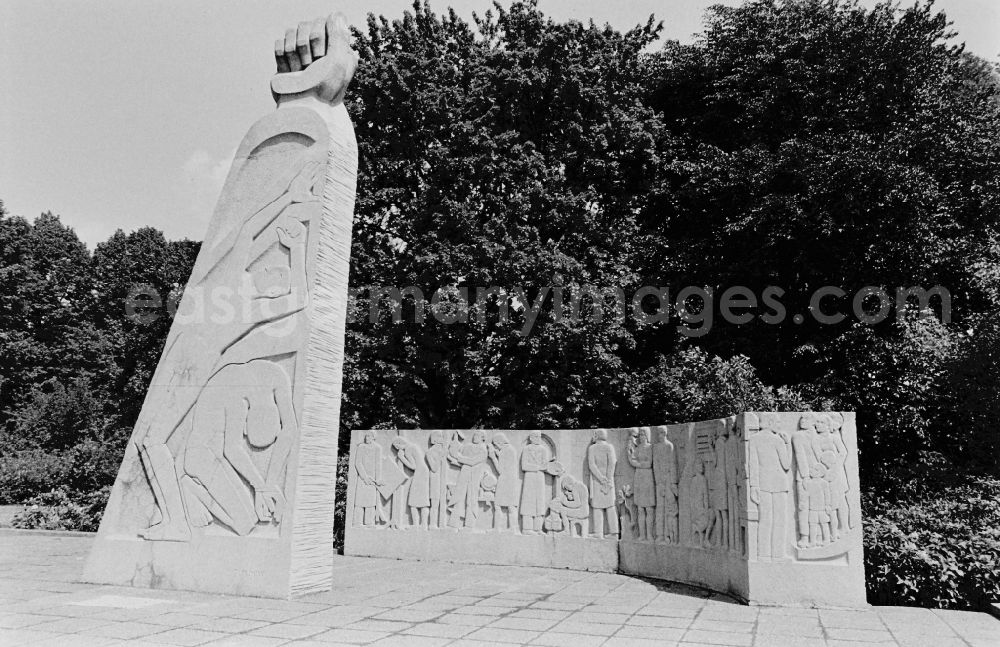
821	483
722	487
809	464
492	476
238	400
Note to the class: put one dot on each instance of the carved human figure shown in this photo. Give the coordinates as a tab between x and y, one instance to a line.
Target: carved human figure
601	461
503	455
229	425
368	465
627	514
804	450
268	295
571	504
735	478
418	497
665	477
465	497
699	505
831	452
817	492
437	466
750	510
837	475
534	460
718	489
768	461
643	485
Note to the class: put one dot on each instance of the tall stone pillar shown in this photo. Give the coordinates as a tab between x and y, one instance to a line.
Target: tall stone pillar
227	484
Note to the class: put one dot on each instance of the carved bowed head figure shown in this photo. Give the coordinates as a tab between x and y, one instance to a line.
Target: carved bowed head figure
535	438
437	437
479	437
643	436
567	487
599	435
369	437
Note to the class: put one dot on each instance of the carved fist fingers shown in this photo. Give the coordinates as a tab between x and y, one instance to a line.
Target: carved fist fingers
317	38
291	51
279	56
302	45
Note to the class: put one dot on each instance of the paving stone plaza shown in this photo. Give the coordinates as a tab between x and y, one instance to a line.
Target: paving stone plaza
424	604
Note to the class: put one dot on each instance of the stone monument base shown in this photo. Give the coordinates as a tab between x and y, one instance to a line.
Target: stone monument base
486	547
204	564
725	573
835	581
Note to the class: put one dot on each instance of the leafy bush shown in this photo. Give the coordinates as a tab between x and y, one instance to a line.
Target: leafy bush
25	473
940	550
340	508
62	509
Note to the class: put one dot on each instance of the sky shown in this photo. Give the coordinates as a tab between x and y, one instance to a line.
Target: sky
118	114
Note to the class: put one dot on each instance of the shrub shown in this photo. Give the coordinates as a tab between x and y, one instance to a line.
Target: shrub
340	508
62	509
26	473
940	550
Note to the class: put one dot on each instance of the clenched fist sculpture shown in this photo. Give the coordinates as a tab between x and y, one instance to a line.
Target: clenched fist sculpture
315	56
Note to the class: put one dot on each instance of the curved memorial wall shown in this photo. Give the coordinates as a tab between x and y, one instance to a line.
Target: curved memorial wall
762	506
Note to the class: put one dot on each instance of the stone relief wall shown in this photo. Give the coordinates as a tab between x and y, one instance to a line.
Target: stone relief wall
227	482
716	503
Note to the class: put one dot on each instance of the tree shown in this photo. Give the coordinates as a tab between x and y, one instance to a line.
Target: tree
827	144
140	277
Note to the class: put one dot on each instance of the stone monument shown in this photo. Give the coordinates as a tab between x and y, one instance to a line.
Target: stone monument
227	484
762	506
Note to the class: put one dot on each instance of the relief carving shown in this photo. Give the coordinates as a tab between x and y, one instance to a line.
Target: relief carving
437	464
534	502
718	489
640	456
464	500
714	485
601	462
419	494
572	506
368	465
699	505
665	478
503	456
266	255
769	458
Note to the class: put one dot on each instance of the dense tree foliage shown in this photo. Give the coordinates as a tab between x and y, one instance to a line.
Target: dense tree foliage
74	363
796	144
